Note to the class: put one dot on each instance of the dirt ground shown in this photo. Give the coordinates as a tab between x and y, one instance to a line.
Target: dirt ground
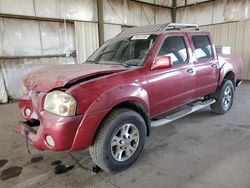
202	150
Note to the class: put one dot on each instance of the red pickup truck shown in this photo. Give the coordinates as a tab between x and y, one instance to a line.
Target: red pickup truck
137	80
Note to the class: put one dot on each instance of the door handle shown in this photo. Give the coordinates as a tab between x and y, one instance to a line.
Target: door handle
190	70
214	65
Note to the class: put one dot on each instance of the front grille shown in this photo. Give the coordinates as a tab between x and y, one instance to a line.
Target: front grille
33	122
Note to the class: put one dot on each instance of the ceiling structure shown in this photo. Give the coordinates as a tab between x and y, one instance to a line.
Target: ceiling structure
172	4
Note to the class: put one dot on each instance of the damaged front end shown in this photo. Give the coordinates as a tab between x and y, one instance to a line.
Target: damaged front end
45	130
51	112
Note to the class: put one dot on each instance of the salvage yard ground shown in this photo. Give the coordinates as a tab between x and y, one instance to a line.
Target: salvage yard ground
200	150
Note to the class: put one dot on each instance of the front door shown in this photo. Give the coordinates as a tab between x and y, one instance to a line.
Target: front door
172	87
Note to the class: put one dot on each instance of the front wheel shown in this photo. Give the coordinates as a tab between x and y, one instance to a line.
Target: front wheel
120	141
224	98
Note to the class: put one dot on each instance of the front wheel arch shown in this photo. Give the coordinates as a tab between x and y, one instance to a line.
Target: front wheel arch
136	106
132	105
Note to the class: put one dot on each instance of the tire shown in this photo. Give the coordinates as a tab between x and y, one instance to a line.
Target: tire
224	97
125	129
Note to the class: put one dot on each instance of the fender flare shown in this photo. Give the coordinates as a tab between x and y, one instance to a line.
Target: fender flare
120	94
101	107
225	69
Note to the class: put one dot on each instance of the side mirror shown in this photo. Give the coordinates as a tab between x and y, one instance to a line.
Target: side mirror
162	62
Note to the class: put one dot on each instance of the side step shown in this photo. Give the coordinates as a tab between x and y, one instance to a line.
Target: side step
192	108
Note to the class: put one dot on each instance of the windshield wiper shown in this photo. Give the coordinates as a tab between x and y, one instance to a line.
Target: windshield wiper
90	61
113	62
120	63
124	64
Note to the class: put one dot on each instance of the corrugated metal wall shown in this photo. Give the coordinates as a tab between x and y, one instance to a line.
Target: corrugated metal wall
86	40
214	12
84	10
3	92
111	31
225	20
237	36
13	71
167	3
125	12
43	31
19	37
40	38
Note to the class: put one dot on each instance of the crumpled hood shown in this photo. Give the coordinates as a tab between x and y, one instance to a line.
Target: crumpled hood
55	76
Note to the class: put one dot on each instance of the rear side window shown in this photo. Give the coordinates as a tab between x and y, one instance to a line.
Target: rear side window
202	46
175	48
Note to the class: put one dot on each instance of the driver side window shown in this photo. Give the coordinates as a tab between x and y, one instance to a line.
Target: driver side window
174	46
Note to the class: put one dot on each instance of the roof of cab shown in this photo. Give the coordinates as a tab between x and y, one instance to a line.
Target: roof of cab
159	28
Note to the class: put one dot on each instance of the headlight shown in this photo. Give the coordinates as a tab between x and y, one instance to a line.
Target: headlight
60	103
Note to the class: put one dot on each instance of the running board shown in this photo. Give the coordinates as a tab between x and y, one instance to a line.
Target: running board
193	107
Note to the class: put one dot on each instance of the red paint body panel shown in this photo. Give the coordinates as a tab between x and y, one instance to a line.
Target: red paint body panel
99	88
48	78
62	130
86	131
230	63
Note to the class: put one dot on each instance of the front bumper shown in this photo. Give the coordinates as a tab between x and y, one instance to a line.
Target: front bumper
61	129
69	133
25	130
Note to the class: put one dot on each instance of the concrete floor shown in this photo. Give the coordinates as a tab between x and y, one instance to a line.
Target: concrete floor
202	150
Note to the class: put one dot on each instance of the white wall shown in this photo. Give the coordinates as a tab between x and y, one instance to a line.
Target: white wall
20	37
52	38
237	36
125	12
218	11
111	30
227	20
84	10
86	40
13	71
30	37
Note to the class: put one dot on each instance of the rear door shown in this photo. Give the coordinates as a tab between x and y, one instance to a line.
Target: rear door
172	87
205	64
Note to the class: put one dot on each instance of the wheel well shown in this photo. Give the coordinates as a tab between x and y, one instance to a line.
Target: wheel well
230	76
133	106
139	109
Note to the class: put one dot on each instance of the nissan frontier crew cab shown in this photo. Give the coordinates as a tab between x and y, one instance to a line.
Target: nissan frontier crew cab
145	77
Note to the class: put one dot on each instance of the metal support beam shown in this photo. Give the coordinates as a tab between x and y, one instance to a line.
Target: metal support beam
154	4
195	4
100	21
37	18
173	11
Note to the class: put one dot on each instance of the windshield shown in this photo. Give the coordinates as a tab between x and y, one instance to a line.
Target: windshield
125	50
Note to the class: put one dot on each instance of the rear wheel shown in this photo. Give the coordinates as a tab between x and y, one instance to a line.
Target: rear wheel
224	97
120	141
